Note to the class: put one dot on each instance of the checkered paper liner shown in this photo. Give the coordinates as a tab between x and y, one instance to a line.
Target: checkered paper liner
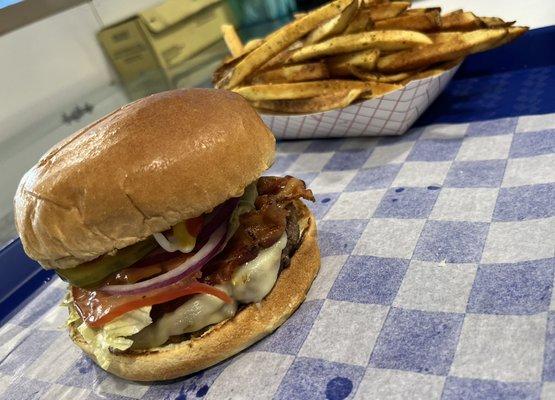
436	281
389	115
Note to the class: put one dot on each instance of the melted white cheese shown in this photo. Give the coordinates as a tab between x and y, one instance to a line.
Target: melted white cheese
250	283
200	311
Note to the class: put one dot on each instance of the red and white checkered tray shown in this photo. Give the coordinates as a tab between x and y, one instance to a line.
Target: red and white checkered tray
389	115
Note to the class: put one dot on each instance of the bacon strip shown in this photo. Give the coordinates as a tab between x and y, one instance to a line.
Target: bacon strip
281	190
260	228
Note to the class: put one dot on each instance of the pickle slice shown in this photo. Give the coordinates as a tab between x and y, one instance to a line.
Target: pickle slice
92	273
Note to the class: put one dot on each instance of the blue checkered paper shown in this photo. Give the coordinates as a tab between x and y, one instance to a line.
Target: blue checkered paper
436	281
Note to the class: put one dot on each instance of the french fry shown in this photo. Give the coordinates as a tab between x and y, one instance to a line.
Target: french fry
280	40
280	58
310	105
225	69
443	37
384	78
371	3
495	22
299	15
232	40
382	40
437	70
460	21
334	26
392	78
252	44
388	10
360	73
423	22
364	58
293	73
341	65
230	63
422	10
466	43
513	32
421	75
359	23
450	64
298	90
378	89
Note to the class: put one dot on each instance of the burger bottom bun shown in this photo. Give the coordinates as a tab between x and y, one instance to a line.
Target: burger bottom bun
229	337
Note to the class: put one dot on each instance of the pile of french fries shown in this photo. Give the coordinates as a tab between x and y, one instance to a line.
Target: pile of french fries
352	50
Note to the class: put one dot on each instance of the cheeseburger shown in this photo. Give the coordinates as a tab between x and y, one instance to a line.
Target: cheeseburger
177	253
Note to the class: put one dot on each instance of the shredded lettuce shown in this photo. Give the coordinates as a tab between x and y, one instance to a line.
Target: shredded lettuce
115	334
73	316
246	204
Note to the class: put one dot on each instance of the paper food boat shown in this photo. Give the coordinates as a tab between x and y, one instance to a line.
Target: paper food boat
389	115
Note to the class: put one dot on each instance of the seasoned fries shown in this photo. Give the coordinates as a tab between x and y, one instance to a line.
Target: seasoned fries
366	59
312	104
334	26
422	10
384	78
352	50
378	89
252	44
423	22
382	40
294	73
494	22
360	22
460	21
282	38
299	90
232	40
464	44
388	10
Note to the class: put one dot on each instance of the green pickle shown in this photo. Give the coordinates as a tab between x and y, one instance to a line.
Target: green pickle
92	273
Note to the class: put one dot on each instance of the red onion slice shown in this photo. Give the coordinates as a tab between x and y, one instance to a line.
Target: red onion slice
213	246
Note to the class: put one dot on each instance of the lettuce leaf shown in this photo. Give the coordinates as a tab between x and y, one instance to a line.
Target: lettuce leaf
115	334
73	316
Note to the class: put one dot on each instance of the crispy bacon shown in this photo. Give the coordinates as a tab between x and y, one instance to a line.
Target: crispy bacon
281	190
260	228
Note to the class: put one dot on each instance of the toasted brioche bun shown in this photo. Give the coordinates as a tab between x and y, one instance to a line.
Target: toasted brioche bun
137	171
229	337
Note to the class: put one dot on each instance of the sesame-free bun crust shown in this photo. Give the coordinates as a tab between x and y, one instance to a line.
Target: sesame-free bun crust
227	338
137	171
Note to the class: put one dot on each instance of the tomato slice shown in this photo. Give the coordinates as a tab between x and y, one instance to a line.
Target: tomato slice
97	308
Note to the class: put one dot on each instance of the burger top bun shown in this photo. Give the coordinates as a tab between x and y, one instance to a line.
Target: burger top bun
139	170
